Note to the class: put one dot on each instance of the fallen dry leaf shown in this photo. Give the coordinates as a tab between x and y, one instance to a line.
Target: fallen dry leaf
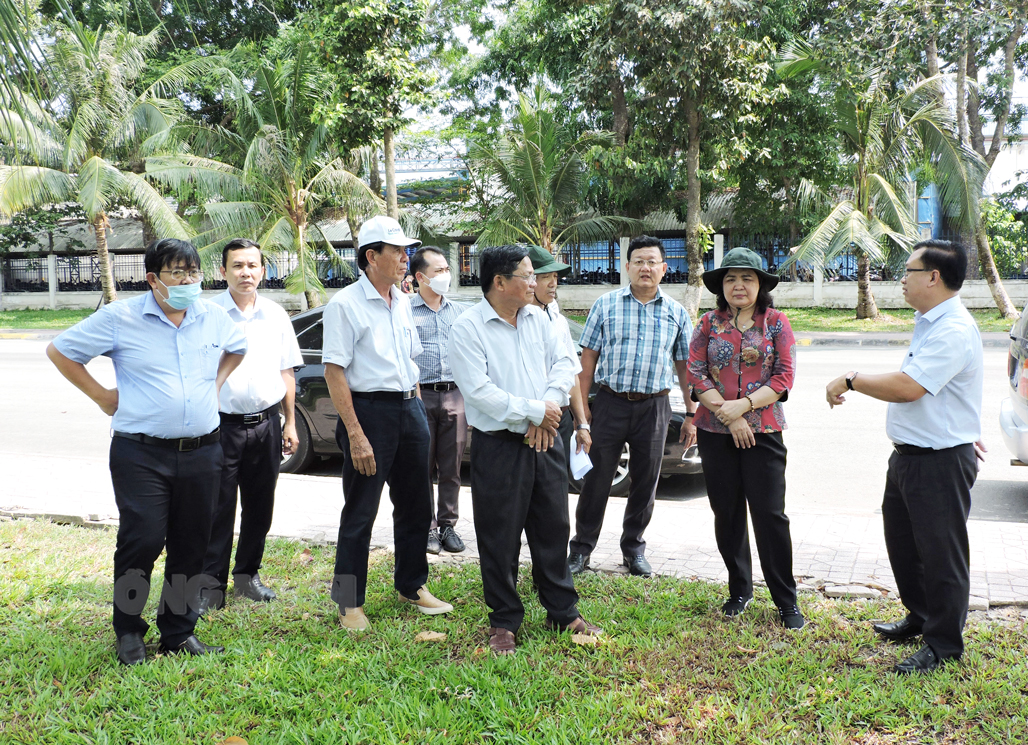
306	556
233	741
430	636
672	721
585	640
744	650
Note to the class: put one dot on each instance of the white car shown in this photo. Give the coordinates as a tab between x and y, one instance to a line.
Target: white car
1013	411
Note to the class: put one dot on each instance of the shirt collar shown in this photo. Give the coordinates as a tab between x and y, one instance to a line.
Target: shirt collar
229	304
946	306
417	301
627	292
371	293
489	313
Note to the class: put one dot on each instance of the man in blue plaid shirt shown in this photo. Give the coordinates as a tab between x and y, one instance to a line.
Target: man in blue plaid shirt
631	338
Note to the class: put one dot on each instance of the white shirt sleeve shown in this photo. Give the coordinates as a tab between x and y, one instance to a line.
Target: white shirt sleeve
340	335
562	370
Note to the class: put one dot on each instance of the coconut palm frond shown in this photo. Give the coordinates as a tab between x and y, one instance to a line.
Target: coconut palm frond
154	207
890	206
210	177
796	58
962	172
854	235
815	248
98	184
591	228
25	187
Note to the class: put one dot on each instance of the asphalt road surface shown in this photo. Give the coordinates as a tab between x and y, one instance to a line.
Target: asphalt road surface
837	457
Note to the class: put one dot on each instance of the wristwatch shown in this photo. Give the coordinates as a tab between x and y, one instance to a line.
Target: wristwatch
584	426
690	414
849	380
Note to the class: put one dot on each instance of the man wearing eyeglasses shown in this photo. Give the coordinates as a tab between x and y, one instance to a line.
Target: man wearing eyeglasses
934	422
172	352
253	437
516	375
634	340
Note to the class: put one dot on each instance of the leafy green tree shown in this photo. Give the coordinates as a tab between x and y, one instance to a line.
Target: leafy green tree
280	170
887	136
539	168
83	137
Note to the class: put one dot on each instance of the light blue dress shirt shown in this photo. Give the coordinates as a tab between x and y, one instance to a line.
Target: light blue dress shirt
945	358
506	374
166	376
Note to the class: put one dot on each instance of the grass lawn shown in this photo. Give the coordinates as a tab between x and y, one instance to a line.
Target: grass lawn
900	319
670	669
41	319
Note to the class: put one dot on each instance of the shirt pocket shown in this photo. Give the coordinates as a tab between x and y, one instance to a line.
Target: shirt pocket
210	358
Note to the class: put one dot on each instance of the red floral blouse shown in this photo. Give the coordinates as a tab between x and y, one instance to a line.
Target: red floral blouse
737	364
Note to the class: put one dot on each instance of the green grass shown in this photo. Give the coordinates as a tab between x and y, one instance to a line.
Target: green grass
832	319
41	319
670	669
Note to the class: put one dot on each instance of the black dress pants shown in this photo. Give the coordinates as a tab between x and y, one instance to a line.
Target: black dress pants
253	453
515	489
927	500
643	425
755	476
398	433
164	498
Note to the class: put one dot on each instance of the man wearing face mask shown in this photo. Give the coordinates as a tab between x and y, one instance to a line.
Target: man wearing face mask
172	352
444	404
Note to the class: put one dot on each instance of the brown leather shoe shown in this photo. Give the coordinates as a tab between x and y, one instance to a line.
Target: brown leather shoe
501	641
578	626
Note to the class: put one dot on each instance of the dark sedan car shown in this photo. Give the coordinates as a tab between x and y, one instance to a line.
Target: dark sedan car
316	416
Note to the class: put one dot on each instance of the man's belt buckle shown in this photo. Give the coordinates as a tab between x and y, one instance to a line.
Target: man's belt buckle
253	418
188	445
632	396
407	395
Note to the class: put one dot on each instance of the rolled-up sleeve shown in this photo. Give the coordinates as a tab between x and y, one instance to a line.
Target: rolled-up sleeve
783	372
470	368
340	335
939	360
91	337
698	373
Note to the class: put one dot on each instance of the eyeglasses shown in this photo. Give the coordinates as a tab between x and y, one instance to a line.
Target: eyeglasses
910	271
195	275
647	264
530	277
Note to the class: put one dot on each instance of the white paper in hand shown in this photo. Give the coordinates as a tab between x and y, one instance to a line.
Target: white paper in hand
581	464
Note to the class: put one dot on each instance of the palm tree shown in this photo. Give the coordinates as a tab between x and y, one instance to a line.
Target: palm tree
273	176
80	136
888	136
539	168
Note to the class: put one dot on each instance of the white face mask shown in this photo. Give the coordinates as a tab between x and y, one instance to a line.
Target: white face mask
440	283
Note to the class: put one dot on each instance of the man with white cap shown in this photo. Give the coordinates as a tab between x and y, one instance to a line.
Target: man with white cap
370	341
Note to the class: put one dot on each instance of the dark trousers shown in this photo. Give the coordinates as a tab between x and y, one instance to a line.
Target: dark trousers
515	489
927	500
755	476
566	432
448	430
253	453
164	498
643	425
398	433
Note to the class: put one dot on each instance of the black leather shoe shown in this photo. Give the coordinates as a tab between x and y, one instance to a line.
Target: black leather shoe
131	649
191	646
253	588
578	563
206	604
638	565
791	617
735	606
898	631
435	545
451	541
922	661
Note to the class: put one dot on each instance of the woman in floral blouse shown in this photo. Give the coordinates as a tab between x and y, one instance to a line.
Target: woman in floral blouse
741	366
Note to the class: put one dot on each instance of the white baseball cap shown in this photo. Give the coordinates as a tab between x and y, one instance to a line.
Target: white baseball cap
382	229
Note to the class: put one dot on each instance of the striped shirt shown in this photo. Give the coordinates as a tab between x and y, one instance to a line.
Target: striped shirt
636	342
434	331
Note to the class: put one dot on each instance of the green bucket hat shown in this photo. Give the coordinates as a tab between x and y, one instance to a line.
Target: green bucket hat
739	258
544	263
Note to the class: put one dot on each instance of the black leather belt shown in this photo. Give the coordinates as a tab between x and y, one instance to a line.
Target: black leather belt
440	387
250	419
182	444
504	434
385	395
631	396
912	449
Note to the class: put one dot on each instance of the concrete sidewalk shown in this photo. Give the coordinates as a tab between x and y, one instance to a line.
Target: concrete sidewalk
841	554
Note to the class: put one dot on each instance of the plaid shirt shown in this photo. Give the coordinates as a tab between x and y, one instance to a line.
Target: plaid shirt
637	342
434	331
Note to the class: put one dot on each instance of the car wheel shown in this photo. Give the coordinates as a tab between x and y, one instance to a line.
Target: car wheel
304	454
618	487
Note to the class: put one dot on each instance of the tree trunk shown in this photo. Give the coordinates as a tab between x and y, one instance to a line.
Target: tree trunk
303	258
692	210
620	107
355	228
866	307
999	293
374	177
110	294
392	208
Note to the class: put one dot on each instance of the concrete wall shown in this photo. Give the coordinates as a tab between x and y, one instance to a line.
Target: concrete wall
975	294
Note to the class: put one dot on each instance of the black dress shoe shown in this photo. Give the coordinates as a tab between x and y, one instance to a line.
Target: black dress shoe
207	603
735	606
435	545
451	541
638	565
578	563
922	661
252	587
131	649
191	646
898	631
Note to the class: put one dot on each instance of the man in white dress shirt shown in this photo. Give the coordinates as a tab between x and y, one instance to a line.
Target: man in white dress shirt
516	374
369	348
252	435
934	422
